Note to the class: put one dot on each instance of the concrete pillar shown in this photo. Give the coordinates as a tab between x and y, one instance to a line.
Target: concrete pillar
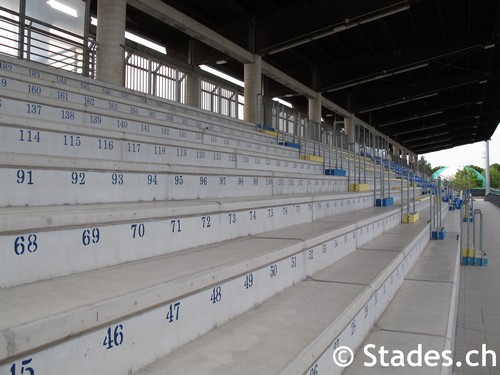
405	157
193	81
487	167
314	113
395	148
193	90
111	16
350	130
253	90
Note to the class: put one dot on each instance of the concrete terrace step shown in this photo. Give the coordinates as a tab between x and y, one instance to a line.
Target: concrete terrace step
424	311
60	321
34	180
164	125
296	331
26	78
30	81
67	239
81	107
57	139
69	84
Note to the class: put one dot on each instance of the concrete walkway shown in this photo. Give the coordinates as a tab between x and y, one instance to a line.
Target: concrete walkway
479	302
422	312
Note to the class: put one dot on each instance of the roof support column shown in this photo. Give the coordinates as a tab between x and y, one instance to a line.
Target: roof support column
396	151
110	39
350	129
193	83
193	90
487	167
253	90
315	117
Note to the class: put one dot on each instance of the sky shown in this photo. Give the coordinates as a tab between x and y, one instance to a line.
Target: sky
458	157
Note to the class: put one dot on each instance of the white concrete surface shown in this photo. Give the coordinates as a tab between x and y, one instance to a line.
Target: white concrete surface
105	235
478	320
337	302
423	312
81	303
81	108
119	294
36	181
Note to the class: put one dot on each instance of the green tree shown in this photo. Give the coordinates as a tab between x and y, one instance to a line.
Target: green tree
465	178
424	166
495	176
479	169
435	169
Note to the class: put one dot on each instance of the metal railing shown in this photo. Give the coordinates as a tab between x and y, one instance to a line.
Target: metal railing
33	40
157	77
495	191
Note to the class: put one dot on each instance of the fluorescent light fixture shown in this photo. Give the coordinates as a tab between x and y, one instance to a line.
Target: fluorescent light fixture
483	82
138	39
416	117
62	8
221	62
384	74
224	76
348	24
479	103
145	42
284	102
420	129
488	46
402	101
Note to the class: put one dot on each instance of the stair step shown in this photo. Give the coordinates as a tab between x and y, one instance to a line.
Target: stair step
110	234
83	306
423	311
33	180
291	332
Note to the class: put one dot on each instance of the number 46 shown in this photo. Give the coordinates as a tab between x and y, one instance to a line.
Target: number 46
115	339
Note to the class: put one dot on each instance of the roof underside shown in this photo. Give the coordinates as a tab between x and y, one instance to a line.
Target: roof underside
424	72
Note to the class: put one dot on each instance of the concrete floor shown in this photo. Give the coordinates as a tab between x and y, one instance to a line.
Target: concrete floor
479	301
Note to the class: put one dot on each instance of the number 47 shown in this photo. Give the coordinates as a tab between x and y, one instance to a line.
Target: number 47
173	312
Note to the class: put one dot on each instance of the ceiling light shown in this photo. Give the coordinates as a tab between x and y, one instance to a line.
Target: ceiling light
483	82
222	75
488	46
221	62
336	29
63	8
402	101
384	74
145	42
283	102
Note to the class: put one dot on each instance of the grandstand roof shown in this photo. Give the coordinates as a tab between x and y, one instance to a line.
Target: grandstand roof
424	72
